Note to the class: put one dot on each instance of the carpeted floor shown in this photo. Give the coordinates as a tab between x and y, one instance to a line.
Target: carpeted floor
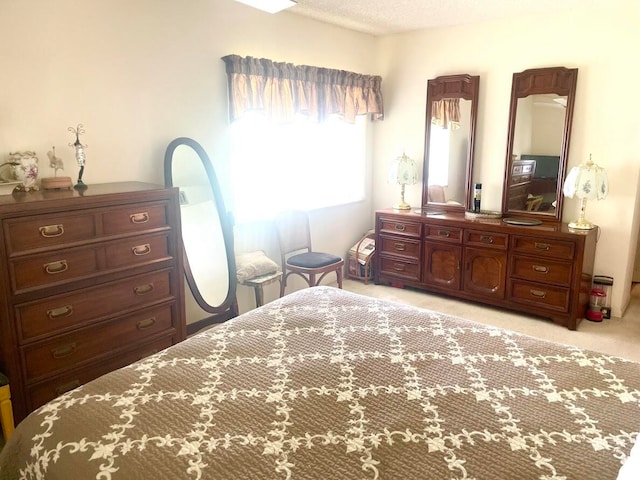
615	336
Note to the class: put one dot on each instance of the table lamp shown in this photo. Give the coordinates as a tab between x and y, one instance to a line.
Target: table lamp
403	172
587	181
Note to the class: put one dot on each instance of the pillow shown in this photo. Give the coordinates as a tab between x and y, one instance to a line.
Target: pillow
254	264
631	468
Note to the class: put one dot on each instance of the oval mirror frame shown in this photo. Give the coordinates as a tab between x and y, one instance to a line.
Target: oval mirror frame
464	87
520	180
228	307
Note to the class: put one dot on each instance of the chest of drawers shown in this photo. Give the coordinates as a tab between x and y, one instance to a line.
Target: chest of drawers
90	281
543	270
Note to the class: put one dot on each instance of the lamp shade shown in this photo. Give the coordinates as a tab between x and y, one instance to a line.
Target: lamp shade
586	182
403	171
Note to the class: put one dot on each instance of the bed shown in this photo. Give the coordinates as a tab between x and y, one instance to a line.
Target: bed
327	384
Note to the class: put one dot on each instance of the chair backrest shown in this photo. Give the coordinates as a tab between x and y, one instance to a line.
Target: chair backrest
436	194
293	232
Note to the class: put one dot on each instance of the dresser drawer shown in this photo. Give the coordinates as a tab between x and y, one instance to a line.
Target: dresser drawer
137	250
48	231
54	267
134	218
400	246
443	233
40	393
541	270
402	269
478	238
400	227
544	296
79	347
89	305
542	247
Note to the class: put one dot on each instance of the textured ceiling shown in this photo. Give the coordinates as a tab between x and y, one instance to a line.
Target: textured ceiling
381	17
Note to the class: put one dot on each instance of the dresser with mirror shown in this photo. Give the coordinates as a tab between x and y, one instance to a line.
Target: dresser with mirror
523	258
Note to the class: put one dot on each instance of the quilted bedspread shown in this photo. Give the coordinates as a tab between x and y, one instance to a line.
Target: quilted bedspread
326	384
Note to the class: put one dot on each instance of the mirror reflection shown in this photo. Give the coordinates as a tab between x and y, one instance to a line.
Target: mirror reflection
450	127
539	127
206	228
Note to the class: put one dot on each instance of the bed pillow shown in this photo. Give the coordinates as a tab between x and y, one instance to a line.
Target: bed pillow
631	468
254	264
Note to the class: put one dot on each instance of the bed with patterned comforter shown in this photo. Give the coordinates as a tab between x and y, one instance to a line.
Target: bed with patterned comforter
326	384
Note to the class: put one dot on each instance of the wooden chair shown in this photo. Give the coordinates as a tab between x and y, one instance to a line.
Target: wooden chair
6	409
298	258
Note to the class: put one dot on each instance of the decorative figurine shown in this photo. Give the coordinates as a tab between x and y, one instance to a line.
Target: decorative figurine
55	182
80	156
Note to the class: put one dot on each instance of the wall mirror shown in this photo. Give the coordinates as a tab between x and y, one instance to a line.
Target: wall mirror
540	117
207	229
452	108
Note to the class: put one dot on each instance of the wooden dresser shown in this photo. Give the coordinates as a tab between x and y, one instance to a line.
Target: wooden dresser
90	282
543	270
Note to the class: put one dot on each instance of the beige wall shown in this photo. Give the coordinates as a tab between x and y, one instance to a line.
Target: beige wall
139	73
602	44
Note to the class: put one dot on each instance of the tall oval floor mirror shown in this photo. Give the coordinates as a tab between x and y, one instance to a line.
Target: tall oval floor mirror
207	231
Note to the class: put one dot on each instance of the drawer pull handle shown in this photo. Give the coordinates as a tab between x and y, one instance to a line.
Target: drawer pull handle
139	217
444	233
400	247
60	312
540	269
146	323
486	239
401	227
143	289
398	267
53	268
538	293
65	387
542	246
49	231
64	351
140	250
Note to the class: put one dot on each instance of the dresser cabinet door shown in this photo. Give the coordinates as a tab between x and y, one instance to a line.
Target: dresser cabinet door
485	272
442	265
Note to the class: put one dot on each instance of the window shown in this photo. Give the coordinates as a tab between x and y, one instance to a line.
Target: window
438	148
301	164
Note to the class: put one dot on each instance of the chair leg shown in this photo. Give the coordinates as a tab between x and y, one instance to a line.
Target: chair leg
339	275
283	284
6	412
312	280
259	295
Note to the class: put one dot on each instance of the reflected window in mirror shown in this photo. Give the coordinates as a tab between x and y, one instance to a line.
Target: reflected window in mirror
449	132
538	141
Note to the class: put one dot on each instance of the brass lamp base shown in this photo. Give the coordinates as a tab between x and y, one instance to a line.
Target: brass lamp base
402	206
581	224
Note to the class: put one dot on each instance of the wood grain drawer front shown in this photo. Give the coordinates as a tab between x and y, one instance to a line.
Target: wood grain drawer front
544	247
540	295
443	233
52	268
400	227
77	348
63	312
400	246
41	393
486	239
541	270
48	231
137	250
134	218
401	269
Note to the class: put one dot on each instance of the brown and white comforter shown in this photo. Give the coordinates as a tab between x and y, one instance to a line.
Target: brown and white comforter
325	384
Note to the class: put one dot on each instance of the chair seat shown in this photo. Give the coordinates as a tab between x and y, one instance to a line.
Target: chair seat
313	260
